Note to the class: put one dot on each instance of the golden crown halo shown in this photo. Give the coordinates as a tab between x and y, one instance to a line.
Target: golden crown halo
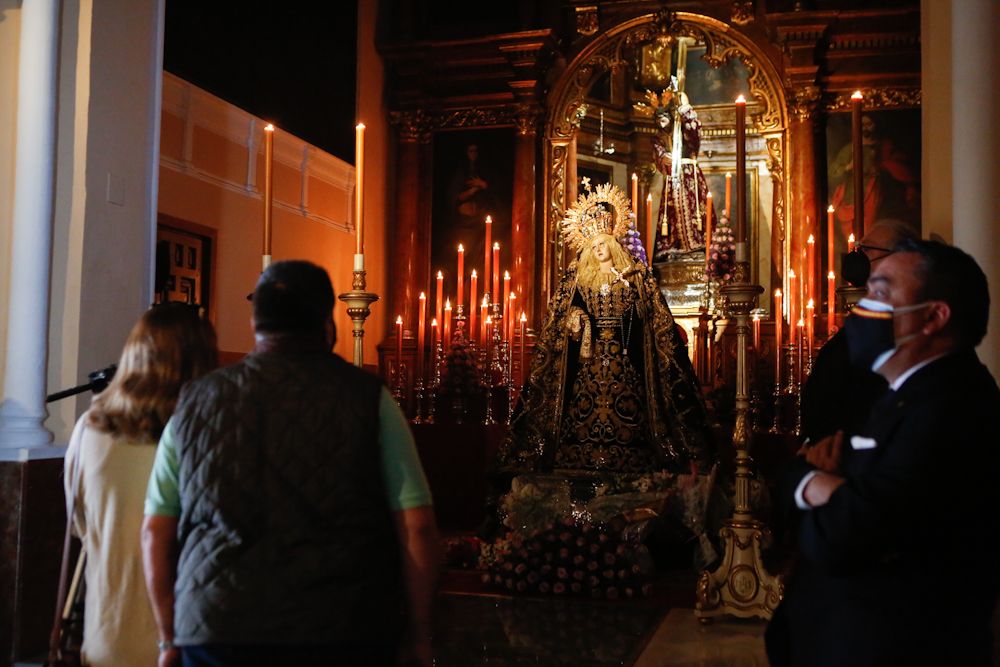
601	210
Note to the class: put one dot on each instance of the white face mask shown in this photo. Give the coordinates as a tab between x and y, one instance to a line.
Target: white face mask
879	306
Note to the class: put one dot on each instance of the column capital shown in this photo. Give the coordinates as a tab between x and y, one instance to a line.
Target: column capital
412	126
803	102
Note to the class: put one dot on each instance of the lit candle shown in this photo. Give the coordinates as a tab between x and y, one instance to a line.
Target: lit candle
792	291
434	341
268	190
524	322
486	260
857	165
635	195
729	192
509	322
741	176
506	300
496	273
439	302
399	347
421	326
461	275
447	324
650	229
850	242
810	266
359	180
779	326
800	337
708	227
756	333
810	327
829	238
831	291
473	288
484	310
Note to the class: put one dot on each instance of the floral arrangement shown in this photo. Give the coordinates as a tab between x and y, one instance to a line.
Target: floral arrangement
568	557
722	252
460	374
633	244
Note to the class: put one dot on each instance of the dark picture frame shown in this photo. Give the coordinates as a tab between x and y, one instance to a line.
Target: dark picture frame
461	203
892	153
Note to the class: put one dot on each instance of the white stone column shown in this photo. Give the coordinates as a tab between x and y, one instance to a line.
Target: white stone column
976	145
23	408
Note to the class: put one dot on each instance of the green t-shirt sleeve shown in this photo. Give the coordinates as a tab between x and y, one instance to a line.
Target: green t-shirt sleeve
162	495
405	484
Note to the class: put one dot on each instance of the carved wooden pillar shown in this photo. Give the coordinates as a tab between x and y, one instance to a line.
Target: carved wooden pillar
523	228
802	136
411	247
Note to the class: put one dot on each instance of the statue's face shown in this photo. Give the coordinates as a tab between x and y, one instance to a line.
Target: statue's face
663	120
599	247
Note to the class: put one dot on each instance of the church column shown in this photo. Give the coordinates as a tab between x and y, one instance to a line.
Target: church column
802	132
411	249
23	409
523	215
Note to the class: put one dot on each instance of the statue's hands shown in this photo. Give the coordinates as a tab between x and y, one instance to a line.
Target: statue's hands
684	100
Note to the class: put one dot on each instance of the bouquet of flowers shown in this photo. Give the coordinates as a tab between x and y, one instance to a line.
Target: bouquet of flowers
633	243
722	252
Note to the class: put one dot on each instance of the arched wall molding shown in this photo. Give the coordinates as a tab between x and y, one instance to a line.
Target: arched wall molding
608	52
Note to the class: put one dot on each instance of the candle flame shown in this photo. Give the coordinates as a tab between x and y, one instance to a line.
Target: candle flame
434	322
741	100
728	175
829	209
635	176
777	293
269	128
850	239
440	276
461	248
513	296
474	274
756	317
801	323
524	318
489	319
359	126
506	275
709	195
791	274
422	296
399	320
489	220
810	304
486	302
831	276
811	239
496	245
447	304
857	95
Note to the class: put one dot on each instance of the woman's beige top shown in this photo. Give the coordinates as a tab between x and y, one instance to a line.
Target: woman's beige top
118	626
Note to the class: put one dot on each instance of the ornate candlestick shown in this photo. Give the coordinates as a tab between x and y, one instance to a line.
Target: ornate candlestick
358	302
740	586
418	397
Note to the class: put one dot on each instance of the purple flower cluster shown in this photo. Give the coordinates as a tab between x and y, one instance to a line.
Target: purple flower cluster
633	243
722	252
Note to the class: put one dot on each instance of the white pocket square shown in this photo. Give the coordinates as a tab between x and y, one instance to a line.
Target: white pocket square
859	442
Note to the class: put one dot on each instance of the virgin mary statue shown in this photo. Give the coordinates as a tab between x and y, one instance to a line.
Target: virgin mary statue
611	389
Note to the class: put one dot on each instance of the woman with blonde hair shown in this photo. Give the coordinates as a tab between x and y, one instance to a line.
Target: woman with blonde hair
108	463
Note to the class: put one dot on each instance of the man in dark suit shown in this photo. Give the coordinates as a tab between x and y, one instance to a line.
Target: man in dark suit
898	525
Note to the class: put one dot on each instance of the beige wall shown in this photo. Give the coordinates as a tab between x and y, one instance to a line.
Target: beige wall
212	175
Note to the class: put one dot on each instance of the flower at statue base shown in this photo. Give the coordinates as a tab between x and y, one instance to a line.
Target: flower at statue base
722	252
568	557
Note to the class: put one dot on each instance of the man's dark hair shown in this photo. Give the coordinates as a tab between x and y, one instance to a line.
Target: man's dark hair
953	276
293	296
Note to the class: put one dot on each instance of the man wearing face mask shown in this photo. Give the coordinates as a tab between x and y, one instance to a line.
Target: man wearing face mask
838	396
899	541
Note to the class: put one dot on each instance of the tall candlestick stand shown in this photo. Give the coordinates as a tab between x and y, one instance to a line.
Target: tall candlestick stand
776	425
418	398
435	383
740	586
358	302
398	383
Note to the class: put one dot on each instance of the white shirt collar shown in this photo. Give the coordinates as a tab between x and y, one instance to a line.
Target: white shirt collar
905	375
